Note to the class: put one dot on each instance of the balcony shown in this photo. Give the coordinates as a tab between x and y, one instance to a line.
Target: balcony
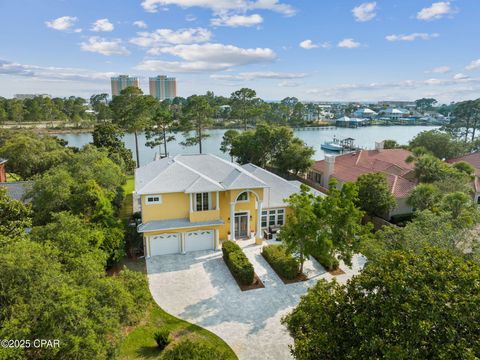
208	215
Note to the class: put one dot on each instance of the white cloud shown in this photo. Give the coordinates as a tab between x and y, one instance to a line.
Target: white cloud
365	12
289	84
62	23
102	25
406	89
440	70
190	18
348	44
140	24
436	11
474	65
206	57
162	37
411	37
258	75
222	6
460	76
237	20
309	44
51	73
104	46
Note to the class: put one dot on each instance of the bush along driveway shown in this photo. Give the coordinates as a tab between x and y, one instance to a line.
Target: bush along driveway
198	287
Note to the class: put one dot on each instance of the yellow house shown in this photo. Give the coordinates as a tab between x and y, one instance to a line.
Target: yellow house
195	202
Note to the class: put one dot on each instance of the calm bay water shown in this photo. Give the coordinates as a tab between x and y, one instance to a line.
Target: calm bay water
365	137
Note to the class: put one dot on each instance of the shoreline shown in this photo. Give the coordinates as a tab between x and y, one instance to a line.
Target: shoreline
88	130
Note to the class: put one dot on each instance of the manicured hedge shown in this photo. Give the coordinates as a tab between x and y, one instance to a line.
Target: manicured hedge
238	263
283	263
328	261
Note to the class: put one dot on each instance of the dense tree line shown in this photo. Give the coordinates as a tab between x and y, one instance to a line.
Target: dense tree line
44	109
53	277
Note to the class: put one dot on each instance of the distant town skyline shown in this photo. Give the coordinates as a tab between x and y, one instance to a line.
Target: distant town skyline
313	50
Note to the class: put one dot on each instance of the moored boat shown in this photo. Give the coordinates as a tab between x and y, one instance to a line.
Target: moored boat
331	146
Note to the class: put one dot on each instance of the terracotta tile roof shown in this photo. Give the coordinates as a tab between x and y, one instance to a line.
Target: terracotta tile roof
473	159
391	162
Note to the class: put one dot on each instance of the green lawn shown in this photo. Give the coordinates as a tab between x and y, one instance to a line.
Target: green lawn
139	343
127	207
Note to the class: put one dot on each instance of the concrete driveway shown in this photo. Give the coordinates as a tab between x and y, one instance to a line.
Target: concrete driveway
199	288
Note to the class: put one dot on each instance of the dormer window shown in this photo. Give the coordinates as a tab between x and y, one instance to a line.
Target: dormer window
202	202
153	199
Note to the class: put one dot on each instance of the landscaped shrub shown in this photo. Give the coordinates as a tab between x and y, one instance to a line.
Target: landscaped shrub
162	338
193	351
328	261
229	247
283	263
238	263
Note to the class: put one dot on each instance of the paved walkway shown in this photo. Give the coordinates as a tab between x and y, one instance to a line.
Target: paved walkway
199	288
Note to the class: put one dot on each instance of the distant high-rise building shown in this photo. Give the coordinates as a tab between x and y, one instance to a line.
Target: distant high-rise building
122	82
162	87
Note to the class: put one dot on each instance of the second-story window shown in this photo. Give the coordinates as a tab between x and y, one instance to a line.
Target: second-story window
153	199
202	201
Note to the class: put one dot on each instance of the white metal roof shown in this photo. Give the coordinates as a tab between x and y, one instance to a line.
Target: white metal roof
365	111
278	190
193	173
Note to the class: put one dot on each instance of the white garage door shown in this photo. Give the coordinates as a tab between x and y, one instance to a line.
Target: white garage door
199	240
164	244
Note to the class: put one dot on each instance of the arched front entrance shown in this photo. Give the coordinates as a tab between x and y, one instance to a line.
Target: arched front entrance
238	222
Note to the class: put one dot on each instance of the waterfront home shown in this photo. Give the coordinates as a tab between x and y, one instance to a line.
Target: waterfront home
348	167
393	113
195	202
349	122
474	160
365	113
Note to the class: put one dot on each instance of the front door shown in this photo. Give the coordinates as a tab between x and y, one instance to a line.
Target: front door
241	225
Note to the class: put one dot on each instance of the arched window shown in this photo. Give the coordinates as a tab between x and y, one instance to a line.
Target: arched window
243	196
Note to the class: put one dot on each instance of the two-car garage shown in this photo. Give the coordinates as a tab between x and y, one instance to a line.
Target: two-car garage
174	243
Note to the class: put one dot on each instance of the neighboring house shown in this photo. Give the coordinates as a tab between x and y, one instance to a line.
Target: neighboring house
348	167
474	160
393	114
365	113
346	121
194	202
17	190
3	170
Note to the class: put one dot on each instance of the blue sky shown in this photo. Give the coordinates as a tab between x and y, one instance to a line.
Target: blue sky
312	49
